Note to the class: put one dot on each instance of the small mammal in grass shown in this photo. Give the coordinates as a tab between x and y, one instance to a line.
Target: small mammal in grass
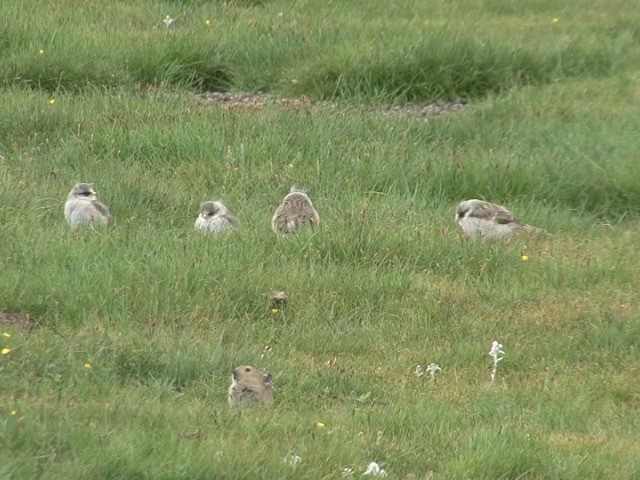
19	320
250	385
294	211
489	220
215	217
277	299
83	207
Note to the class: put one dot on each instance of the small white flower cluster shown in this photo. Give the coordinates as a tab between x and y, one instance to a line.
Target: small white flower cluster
266	351
293	460
431	369
375	471
168	21
495	353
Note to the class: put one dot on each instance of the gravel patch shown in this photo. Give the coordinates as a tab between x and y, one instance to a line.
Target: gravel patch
247	101
429	110
242	101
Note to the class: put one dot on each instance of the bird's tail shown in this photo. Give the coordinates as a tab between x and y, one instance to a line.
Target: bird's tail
530	229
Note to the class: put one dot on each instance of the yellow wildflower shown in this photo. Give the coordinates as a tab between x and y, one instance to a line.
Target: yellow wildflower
274	311
6	351
525	258
41	52
320	425
88	366
52	101
6	335
555	20
14	413
207	22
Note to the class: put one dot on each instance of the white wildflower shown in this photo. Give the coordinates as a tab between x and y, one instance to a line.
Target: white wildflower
293	460
168	21
495	353
375	471
418	372
432	369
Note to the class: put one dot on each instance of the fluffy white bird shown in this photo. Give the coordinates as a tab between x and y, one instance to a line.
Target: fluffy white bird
488	220
215	217
83	207
294	211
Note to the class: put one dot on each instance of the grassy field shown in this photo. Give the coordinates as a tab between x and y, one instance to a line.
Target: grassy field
138	326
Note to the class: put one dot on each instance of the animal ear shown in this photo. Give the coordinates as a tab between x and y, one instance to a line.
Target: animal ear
267	379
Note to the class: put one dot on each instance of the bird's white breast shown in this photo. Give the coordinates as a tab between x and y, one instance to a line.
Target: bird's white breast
212	224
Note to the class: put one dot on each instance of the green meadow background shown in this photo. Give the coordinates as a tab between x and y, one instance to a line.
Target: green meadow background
137	327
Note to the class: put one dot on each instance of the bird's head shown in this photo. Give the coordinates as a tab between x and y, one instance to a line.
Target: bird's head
83	191
210	209
467	207
462	210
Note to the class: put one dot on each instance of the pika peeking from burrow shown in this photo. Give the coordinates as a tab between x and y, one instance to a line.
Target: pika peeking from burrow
250	385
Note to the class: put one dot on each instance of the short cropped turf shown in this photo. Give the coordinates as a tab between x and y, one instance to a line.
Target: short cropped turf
136	327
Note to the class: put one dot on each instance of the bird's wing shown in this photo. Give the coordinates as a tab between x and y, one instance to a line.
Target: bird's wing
504	216
312	215
102	208
492	212
230	217
483	210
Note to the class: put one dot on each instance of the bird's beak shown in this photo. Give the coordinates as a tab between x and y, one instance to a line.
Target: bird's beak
93	192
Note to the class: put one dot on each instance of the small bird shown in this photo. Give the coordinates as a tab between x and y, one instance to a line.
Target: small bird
295	210
250	385
83	207
277	299
488	220
215	217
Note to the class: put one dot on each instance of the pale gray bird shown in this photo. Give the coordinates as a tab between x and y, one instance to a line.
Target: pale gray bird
215	217
84	208
488	220
295	210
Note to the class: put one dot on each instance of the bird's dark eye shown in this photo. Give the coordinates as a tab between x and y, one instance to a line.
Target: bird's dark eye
86	194
247	369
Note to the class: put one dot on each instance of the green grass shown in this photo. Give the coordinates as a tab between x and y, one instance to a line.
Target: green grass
362	49
163	314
